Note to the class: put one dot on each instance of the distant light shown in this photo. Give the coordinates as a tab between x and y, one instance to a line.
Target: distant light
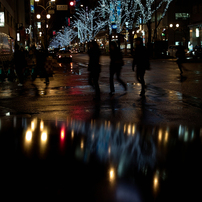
81	5
71	3
8	114
177	25
171	25
48	16
38	16
18	36
36	0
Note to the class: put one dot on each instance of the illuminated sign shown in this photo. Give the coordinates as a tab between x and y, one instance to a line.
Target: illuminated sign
32	6
114	26
2	19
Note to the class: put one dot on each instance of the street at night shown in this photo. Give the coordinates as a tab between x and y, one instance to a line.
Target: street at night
101	100
57	142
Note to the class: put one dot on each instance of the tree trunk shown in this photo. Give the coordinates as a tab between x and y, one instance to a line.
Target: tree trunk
149	44
131	41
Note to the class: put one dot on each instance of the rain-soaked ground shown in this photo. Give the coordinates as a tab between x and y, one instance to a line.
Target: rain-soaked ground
75	160
56	142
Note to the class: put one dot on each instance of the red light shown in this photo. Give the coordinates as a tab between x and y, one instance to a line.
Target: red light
71	3
62	134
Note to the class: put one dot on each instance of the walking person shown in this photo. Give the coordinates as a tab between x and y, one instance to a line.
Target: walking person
20	63
94	67
116	64
180	54
141	61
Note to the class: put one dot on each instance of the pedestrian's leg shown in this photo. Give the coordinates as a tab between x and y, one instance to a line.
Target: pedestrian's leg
120	80
179	63
111	81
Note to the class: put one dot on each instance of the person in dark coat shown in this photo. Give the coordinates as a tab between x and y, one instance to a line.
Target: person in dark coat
20	63
141	61
180	54
94	67
116	64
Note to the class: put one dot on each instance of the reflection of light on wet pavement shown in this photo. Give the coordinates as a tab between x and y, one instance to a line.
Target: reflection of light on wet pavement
82	144
44	137
33	124
160	135
28	135
111	175
62	134
156	182
109	150
41	125
166	136
72	134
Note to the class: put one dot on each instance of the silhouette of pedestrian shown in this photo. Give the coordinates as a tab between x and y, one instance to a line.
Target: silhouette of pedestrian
180	54
20	63
94	67
40	69
116	64
141	61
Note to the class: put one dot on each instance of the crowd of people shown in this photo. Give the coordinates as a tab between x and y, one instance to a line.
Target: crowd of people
33	57
140	61
140	64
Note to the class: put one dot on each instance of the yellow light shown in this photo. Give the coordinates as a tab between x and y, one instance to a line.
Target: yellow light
129	129
133	130
160	134
109	150
72	134
44	136
112	175
41	125
166	136
124	128
29	135
155	182
82	144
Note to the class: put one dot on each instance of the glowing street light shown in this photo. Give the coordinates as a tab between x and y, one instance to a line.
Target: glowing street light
38	16
48	16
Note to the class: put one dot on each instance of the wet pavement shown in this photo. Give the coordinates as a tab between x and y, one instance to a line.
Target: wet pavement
57	142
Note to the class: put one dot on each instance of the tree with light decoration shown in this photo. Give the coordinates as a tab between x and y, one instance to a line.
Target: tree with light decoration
88	24
64	37
148	8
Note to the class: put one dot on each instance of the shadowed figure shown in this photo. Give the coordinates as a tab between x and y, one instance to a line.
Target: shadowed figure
94	67
141	61
116	64
20	63
180	54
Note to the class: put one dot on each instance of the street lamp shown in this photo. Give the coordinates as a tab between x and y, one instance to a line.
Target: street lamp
46	16
174	28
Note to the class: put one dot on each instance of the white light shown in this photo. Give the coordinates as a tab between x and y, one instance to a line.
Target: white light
177	25
18	36
53	0
197	32
46	25
48	16
8	114
171	25
38	16
36	0
81	5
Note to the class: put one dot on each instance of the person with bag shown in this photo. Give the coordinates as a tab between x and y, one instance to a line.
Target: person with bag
116	64
141	61
94	67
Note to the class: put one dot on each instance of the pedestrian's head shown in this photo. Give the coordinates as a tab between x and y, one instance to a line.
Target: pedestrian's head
138	41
